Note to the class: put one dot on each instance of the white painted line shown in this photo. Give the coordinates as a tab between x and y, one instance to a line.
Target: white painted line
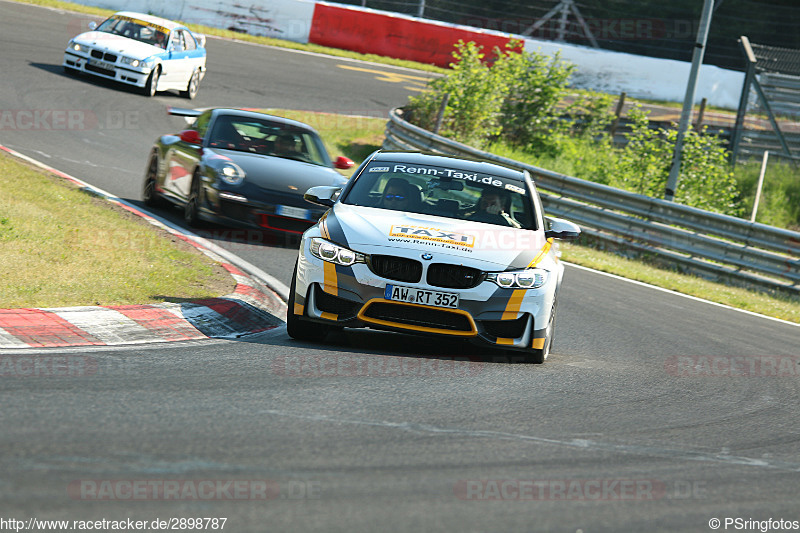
675	293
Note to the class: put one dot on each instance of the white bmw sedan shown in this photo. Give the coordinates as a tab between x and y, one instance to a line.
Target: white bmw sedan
149	52
436	245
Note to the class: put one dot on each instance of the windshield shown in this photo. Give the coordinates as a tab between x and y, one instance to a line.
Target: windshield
263	136
443	191
136	29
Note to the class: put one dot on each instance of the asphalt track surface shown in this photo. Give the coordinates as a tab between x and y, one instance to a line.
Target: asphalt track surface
656	412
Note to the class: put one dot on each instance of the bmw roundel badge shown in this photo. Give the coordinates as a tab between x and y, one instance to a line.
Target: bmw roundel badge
427	257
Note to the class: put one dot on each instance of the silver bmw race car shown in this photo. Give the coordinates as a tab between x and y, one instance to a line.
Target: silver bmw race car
432	244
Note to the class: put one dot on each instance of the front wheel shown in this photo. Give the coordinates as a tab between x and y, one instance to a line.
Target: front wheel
300	329
150	192
538	356
191	211
152	82
193	86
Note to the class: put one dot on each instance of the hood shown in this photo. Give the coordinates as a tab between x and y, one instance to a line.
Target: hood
118	44
282	175
485	246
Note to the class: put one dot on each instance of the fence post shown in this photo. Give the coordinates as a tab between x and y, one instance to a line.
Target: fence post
440	114
700	113
760	185
618	114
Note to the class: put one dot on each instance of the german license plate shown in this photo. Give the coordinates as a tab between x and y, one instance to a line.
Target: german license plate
292	212
398	293
101	64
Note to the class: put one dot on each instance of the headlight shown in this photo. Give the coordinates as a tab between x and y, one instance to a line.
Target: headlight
333	253
530	278
230	173
77	47
130	61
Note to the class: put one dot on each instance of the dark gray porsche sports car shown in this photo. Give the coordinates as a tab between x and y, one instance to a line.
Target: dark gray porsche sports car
241	168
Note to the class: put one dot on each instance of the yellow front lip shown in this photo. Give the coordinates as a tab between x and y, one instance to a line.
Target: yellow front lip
409	327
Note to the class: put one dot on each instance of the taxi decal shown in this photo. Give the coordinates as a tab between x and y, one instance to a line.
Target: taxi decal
432	235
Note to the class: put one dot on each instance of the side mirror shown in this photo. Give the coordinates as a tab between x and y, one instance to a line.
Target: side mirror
92	25
343	163
323	195
190	137
561	229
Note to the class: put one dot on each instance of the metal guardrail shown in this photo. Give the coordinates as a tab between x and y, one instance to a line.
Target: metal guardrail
701	241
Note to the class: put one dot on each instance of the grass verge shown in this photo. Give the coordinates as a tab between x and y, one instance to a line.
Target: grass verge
60	246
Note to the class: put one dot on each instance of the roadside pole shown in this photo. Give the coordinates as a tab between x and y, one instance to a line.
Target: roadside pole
688	101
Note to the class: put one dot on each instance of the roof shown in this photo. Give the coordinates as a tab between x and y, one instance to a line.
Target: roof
169	24
259	115
464	163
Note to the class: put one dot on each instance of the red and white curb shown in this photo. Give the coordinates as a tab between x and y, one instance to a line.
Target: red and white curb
257	304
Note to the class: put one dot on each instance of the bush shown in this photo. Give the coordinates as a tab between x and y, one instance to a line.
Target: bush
705	181
520	102
534	86
475	94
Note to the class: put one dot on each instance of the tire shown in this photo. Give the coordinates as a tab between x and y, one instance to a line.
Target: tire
152	83
150	195
193	86
539	356
296	327
191	211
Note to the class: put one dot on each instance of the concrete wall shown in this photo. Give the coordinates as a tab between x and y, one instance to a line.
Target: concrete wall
367	30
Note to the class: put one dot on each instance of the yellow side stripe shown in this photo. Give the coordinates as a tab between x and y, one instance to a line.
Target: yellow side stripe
323	227
513	305
330	283
540	256
515	302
